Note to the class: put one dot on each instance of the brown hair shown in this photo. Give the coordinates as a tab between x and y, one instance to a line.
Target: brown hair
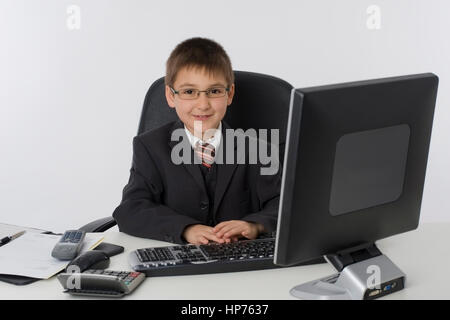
202	53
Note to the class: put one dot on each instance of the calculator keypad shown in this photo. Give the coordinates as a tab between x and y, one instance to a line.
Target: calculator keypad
126	276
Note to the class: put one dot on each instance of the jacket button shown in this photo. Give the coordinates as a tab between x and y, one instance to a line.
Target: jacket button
203	205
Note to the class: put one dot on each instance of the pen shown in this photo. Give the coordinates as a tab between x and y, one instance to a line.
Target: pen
5	240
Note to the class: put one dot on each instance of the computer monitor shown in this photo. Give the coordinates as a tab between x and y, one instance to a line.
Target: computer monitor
353	173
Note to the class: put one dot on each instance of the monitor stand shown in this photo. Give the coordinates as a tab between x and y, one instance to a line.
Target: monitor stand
364	274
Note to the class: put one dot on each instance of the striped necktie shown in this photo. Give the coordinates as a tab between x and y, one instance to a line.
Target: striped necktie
206	152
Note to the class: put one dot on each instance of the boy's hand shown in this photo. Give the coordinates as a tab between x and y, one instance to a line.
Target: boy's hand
200	234
234	229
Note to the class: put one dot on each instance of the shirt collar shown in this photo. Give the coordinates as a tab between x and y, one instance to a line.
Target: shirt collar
214	140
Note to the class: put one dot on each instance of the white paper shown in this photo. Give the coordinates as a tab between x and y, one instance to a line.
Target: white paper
30	254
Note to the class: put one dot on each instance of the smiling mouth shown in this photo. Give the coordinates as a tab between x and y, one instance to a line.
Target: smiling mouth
202	117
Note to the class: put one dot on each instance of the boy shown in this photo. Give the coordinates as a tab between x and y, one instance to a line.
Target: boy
203	201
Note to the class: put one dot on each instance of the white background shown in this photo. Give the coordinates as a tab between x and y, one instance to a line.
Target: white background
70	100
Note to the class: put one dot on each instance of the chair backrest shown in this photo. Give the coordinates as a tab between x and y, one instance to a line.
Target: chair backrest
260	102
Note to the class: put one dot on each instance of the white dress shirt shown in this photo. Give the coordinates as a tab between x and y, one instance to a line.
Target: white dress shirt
214	140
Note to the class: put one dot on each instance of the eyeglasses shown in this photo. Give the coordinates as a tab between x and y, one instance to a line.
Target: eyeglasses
191	94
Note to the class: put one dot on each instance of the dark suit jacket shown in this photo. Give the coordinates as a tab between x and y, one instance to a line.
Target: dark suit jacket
162	198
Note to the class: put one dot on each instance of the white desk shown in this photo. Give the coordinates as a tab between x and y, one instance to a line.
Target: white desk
423	255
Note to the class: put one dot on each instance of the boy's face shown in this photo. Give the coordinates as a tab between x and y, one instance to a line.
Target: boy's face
208	111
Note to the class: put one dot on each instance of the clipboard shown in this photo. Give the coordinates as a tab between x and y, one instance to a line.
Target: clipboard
21	280
18	279
109	248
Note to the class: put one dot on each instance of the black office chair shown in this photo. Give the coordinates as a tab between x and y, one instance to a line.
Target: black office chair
260	102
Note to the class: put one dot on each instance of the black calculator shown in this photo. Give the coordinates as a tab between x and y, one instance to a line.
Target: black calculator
101	283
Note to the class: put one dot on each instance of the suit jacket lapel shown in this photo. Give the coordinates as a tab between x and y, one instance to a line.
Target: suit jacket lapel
193	169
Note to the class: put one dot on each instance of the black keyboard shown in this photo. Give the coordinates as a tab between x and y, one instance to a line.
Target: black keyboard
243	255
